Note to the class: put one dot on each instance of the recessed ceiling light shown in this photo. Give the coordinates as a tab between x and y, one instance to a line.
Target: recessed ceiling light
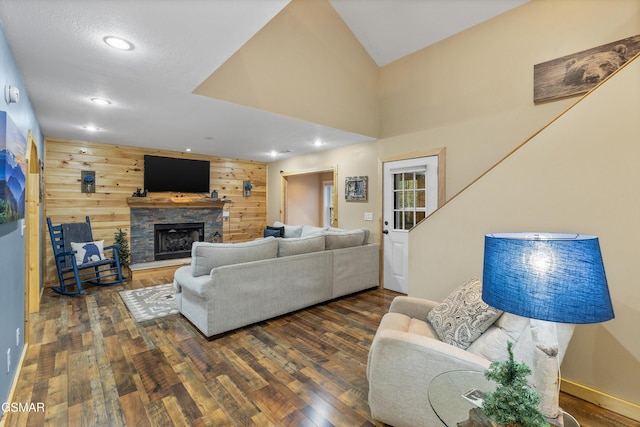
318	142
118	43
100	101
273	153
188	150
91	128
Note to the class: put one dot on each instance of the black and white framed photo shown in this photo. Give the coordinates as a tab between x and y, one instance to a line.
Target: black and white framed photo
355	189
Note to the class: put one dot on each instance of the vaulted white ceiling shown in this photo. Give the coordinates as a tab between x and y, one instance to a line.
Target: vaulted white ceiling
60	52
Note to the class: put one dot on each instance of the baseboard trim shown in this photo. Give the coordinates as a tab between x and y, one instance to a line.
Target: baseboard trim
611	403
14	383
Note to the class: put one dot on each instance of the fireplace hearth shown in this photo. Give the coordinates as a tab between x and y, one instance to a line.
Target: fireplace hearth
174	240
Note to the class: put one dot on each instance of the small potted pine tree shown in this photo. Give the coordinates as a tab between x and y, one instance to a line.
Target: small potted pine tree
124	254
514	403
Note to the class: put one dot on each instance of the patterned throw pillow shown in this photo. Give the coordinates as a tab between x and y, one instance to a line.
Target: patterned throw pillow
463	316
87	252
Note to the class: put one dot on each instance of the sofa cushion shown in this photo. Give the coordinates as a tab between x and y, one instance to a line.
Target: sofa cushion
290	231
462	317
403	323
273	231
207	256
344	239
300	245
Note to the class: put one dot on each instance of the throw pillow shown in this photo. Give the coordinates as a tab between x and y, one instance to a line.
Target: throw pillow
87	252
274	231
290	231
463	316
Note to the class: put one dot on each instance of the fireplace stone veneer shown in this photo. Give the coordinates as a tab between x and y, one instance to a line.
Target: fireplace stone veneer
143	219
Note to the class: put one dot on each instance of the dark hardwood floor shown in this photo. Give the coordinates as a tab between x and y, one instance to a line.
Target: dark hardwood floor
92	365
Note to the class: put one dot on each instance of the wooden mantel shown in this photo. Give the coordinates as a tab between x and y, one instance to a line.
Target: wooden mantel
175	202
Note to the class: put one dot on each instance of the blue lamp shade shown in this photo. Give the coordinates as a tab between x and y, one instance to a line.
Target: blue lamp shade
557	277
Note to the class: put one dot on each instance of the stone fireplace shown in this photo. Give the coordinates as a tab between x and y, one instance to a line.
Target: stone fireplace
167	230
175	240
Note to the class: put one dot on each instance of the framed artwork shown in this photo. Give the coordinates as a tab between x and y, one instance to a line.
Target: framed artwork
355	189
13	170
577	73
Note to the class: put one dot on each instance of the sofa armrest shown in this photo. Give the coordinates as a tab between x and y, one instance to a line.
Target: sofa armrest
401	366
402	346
200	285
417	308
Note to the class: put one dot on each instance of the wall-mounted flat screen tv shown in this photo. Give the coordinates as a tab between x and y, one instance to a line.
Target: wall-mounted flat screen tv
173	174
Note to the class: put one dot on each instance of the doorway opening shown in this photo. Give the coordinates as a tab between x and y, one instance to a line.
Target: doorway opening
308	197
33	240
327	203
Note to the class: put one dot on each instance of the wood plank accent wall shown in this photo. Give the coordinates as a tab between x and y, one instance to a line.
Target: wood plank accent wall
119	172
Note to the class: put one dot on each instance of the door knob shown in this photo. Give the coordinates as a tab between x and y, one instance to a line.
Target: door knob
385	231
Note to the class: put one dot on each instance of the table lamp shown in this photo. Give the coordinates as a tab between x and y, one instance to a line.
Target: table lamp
547	277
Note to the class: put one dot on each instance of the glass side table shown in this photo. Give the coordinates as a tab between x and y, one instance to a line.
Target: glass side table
446	398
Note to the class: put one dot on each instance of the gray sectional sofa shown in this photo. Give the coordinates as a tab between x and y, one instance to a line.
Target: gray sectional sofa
230	285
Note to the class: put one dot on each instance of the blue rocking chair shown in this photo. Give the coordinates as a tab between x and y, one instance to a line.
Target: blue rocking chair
91	267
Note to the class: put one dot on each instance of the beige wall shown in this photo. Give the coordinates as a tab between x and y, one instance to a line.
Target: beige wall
355	160
473	94
574	176
303	199
303	60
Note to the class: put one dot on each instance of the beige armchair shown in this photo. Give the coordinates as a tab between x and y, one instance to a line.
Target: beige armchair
406	354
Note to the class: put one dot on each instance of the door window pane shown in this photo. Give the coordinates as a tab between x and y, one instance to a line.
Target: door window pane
397	181
421	199
398	200
409	221
408	179
409	199
397	220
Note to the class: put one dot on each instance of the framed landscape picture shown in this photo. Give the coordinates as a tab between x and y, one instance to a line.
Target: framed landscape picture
13	167
355	189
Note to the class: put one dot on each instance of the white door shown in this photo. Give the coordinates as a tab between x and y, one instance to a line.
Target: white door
410	194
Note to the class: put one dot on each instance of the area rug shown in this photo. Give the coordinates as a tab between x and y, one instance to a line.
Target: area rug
150	303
